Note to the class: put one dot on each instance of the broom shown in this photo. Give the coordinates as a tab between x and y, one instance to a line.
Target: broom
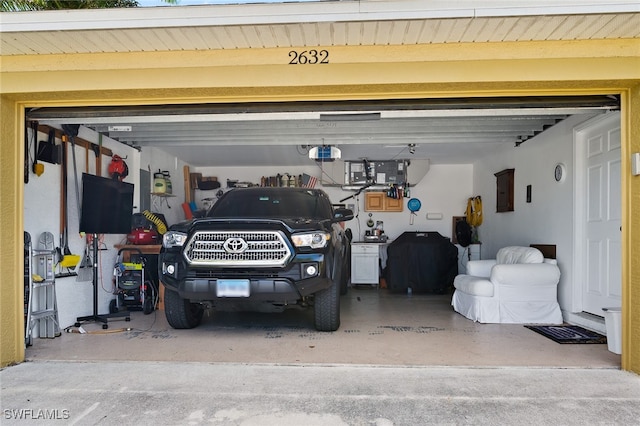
84	270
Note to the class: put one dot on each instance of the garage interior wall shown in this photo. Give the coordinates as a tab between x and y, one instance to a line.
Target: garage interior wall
444	189
387	72
42	213
548	218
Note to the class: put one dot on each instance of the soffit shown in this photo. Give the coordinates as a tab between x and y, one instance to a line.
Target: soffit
337	23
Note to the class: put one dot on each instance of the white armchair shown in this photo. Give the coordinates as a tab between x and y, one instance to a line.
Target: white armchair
518	287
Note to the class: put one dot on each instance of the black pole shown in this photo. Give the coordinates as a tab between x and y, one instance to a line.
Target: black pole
94	246
104	319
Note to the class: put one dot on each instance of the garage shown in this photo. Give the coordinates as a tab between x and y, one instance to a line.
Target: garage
425	309
457	132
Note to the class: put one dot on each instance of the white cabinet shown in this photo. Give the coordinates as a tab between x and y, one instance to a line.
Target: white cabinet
465	254
365	267
474	251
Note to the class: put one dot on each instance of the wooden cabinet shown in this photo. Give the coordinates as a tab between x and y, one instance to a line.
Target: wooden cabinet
379	202
374	201
504	190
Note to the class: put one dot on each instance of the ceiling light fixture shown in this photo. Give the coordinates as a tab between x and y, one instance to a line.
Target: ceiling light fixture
412	148
324	153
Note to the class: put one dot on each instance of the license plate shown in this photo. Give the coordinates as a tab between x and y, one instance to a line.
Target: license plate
233	288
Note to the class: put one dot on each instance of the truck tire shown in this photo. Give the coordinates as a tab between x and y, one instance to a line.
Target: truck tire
344	278
181	313
327	307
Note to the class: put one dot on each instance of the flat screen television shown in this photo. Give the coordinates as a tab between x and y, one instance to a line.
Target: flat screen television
107	205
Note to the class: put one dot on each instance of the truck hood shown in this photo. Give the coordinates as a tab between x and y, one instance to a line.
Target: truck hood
290	224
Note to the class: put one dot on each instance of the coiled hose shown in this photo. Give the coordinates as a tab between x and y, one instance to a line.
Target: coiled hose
160	226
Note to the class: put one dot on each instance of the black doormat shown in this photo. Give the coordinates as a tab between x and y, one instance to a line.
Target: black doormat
568	334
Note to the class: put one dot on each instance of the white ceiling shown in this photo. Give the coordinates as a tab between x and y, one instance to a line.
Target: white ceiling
443	133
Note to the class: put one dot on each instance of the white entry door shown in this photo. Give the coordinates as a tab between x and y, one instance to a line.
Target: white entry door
602	251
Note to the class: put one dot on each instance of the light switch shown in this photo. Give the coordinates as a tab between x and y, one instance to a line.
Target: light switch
635	163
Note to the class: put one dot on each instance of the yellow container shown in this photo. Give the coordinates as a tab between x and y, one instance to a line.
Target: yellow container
159	183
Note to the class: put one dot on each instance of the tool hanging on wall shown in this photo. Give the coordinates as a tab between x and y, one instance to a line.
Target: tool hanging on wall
474	211
26	156
65	258
98	151
118	169
414	205
84	269
370	221
71	130
38	168
48	151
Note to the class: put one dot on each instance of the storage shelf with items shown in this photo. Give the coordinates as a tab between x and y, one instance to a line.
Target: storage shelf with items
158	199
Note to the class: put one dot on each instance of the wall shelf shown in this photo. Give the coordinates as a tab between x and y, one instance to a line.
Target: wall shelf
157	198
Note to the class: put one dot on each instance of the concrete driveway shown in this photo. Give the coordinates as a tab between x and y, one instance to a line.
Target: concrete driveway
183	393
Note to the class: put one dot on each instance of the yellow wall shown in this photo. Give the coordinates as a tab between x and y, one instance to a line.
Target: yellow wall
11	223
631	239
490	69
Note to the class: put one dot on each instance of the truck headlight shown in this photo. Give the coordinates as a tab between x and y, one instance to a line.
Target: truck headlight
314	240
174	239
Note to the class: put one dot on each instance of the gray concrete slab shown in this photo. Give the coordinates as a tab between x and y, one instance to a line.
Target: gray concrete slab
180	393
377	328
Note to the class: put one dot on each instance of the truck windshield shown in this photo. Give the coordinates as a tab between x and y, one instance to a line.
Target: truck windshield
272	204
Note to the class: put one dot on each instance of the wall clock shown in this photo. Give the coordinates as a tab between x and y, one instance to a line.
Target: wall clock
560	172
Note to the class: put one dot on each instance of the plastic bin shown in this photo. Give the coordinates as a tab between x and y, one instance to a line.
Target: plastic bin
613	323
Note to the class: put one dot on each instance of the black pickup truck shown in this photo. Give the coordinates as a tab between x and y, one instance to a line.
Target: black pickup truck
258	249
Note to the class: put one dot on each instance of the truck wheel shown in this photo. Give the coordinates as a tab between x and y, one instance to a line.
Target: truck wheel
327	307
344	279
180	312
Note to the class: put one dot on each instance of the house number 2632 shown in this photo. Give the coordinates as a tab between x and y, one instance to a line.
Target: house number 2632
308	57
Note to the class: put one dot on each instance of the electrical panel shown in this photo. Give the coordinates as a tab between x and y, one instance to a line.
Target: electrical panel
378	172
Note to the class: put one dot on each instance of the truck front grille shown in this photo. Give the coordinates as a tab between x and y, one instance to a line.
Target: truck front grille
238	249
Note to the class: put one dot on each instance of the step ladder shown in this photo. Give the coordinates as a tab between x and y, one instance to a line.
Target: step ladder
42	306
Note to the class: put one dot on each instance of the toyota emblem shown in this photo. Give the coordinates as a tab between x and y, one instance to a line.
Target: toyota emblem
235	245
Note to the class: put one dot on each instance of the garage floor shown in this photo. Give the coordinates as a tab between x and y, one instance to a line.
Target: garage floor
377	328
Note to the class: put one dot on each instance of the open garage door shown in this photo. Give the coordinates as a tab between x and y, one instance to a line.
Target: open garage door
448	133
445	131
